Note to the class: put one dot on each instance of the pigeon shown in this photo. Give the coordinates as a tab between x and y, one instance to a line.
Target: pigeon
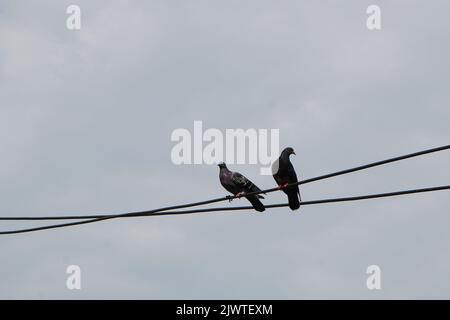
239	185
284	174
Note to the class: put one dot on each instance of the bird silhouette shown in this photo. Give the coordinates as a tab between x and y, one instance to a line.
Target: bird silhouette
239	185
284	174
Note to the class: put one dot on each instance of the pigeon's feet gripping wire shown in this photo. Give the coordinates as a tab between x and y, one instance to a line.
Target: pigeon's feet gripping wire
282	186
240	194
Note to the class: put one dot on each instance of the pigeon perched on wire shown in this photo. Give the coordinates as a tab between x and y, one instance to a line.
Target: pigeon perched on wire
239	185
284	174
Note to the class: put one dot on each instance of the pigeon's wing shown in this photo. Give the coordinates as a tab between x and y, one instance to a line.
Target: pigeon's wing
293	177
240	180
244	183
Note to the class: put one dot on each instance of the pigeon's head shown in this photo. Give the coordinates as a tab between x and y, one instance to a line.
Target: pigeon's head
222	165
288	151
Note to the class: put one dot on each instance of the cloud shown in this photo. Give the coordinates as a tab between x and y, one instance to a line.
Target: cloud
85	125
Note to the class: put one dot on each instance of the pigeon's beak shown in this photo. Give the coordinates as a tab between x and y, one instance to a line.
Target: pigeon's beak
293	152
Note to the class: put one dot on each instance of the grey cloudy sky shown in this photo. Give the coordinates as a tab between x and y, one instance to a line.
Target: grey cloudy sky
85	124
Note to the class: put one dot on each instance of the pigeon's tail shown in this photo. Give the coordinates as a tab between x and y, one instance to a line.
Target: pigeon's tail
294	200
258	205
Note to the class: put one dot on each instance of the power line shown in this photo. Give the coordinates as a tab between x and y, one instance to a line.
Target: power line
270	206
359	168
156	213
194	204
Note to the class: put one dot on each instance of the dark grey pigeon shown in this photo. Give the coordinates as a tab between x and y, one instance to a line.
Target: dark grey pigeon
284	174
239	185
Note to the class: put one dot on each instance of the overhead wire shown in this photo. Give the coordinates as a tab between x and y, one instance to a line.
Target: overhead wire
229	198
206	210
